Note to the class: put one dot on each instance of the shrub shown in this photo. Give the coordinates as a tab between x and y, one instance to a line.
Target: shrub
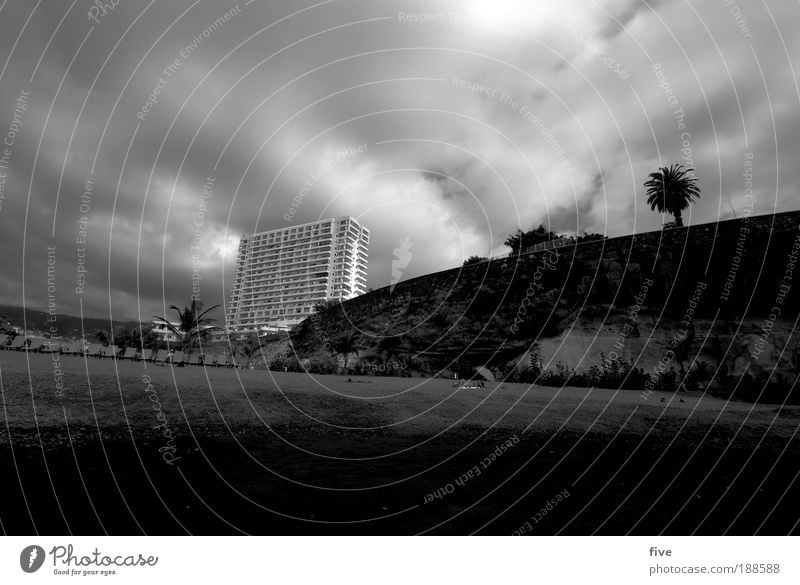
286	364
614	373
667	381
531	375
763	388
321	366
636	380
474	260
562	376
698	376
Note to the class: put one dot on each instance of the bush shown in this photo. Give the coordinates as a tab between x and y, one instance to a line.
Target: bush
562	376
667	381
529	376
698	377
474	260
763	388
593	237
321	366
612	373
284	364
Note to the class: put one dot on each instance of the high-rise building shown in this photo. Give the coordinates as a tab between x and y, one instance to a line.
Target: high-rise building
281	274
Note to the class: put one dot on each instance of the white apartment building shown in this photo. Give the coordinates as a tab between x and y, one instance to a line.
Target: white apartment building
281	274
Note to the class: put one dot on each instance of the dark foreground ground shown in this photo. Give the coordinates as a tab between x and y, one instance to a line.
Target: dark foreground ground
327	456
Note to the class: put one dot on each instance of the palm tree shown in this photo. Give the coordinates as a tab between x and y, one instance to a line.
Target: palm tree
671	190
102	336
193	324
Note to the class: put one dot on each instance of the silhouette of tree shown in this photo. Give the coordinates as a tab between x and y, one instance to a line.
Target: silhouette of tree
390	346
591	237
671	190
326	304
474	260
521	240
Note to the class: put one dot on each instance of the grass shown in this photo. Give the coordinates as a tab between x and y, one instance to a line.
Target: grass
266	452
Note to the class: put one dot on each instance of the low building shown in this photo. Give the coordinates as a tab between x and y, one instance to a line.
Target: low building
163	332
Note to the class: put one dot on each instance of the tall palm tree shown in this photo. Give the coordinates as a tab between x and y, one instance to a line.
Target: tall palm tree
193	324
671	190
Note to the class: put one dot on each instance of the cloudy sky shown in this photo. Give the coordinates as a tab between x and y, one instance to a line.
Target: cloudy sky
448	123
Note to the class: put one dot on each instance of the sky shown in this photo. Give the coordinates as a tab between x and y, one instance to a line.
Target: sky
142	139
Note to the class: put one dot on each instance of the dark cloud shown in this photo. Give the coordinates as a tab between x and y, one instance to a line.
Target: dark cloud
518	106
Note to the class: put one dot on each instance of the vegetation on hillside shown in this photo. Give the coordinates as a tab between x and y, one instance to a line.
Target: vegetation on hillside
67	326
521	240
489	314
474	260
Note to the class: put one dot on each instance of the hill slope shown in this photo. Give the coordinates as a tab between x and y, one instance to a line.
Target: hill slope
706	290
68	326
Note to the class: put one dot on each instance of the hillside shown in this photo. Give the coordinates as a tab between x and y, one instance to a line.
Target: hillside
67	326
716	295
